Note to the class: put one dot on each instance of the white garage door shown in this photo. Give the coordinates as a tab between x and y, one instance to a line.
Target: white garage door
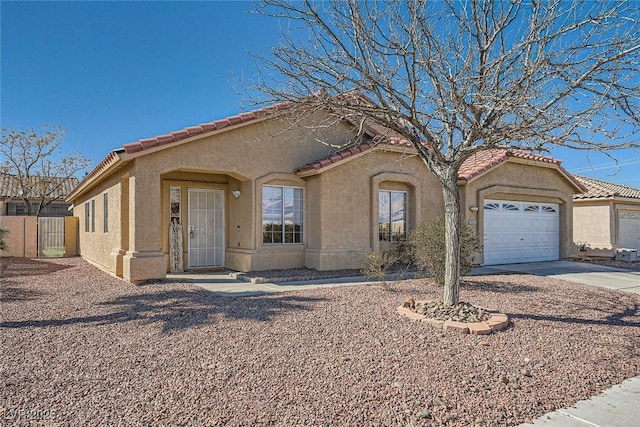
629	229
520	232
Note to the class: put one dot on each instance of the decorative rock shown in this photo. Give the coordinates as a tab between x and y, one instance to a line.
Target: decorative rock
409	303
474	389
525	372
503	379
438	400
426	415
463	318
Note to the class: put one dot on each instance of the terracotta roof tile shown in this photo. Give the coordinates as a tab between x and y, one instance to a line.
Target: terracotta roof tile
338	156
10	185
104	163
473	166
481	161
147	143
602	189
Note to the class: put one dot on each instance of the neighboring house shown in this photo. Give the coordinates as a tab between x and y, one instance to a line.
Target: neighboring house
606	216
12	195
247	200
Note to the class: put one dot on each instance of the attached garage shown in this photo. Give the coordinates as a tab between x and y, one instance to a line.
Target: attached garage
629	229
520	232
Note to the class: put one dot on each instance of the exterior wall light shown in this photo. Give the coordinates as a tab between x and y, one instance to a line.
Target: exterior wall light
236	193
474	208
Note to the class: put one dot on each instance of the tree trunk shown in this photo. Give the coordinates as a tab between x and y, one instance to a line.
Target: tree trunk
452	235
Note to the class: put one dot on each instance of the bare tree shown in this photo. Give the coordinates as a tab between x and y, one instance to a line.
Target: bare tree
33	159
455	77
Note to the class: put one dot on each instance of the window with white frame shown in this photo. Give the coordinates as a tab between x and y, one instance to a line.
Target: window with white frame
282	215
392	215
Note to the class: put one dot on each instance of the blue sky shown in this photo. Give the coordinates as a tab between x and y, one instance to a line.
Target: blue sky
115	72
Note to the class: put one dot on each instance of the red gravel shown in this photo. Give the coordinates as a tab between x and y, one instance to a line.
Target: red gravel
82	348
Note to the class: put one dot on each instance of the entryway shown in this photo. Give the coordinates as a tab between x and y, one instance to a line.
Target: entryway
205	232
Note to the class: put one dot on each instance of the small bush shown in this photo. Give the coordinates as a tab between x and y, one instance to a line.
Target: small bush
3	234
427	248
378	264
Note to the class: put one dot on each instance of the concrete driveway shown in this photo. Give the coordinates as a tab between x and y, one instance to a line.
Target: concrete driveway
579	272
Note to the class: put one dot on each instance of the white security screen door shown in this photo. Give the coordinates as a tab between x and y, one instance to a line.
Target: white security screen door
206	228
520	232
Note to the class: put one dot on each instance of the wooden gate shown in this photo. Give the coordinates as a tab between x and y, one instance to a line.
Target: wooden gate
51	237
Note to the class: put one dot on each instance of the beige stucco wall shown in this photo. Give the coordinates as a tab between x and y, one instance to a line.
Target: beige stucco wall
596	222
99	247
22	239
522	181
343	206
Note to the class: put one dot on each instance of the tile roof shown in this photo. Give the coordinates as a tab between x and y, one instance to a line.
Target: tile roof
477	163
169	138
602	189
384	136
481	161
10	185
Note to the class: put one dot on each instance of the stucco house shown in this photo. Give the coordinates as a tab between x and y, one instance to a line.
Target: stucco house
606	216
251	192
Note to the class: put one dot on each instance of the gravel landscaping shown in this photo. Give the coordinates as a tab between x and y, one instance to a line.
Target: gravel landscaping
80	347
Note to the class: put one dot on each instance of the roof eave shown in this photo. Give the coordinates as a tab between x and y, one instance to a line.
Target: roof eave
130	156
109	164
378	147
552	165
607	198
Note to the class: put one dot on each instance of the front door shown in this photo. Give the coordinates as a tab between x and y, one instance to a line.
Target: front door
206	228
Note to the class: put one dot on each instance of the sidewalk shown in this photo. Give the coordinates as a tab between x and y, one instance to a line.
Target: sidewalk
618	406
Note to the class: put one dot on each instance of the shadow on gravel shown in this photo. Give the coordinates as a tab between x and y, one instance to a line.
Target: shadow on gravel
10	292
180	309
613	319
14	267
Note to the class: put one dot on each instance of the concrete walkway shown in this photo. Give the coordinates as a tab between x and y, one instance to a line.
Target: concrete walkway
578	272
222	284
619	406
